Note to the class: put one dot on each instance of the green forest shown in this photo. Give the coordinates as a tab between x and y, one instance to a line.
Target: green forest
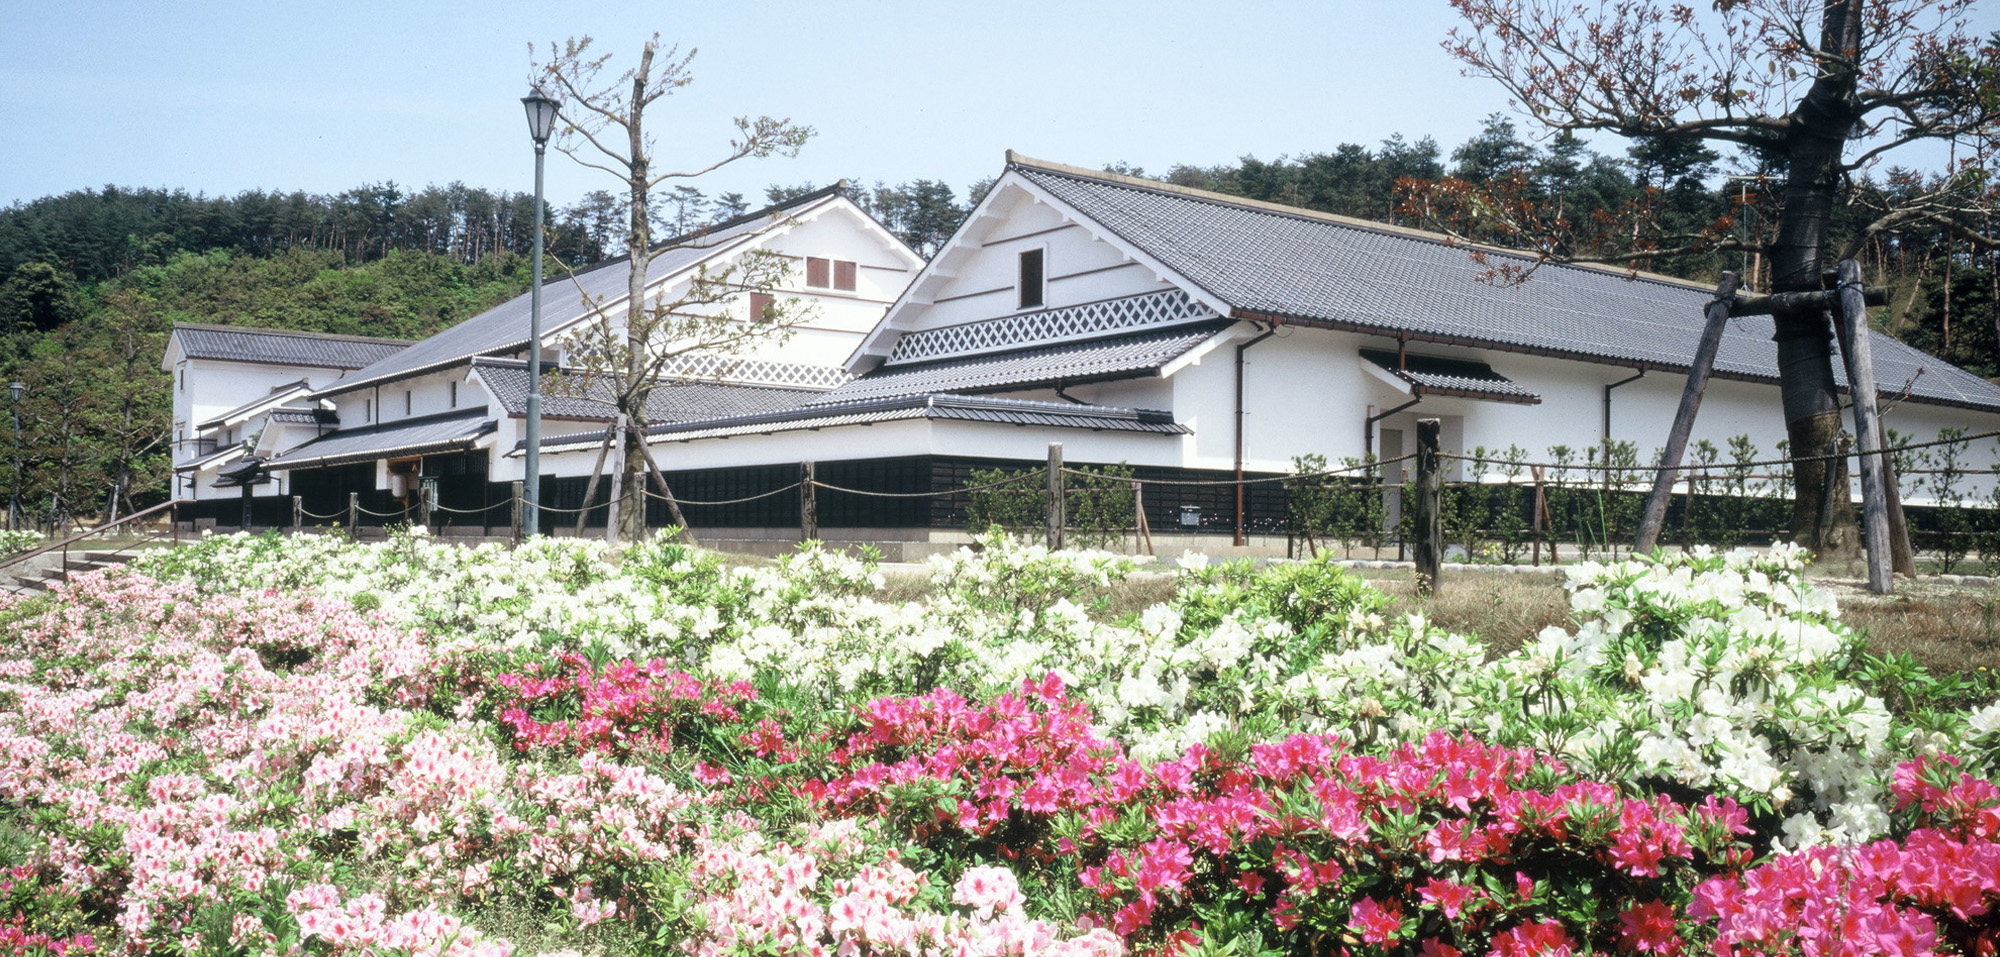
94	279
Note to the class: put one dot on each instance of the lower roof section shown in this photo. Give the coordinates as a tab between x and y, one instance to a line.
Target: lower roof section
962	408
220	456
1096	360
591	397
435	433
1434	375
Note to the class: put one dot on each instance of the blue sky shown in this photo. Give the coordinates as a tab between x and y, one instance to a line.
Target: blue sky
223	97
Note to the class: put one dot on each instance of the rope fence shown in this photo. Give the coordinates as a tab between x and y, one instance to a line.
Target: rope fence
938	493
1492	511
1287	477
1822	457
470	511
729	501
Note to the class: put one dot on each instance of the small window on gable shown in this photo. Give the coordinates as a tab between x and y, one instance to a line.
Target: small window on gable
1031	279
762	306
453	390
184	378
367	410
409	401
843	275
816	272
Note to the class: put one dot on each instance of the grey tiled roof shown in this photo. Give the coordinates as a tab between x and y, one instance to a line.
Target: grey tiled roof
368	443
1119	357
283	393
1308	267
504	328
283	347
508	380
1439	376
963	408
250	471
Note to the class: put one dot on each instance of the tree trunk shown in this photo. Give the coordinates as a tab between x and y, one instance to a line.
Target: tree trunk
635	390
1814	143
632	490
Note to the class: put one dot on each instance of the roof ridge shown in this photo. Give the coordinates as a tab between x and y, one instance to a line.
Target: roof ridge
298	333
1017	159
802	199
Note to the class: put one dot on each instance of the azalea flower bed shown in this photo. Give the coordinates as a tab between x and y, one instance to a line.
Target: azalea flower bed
286	746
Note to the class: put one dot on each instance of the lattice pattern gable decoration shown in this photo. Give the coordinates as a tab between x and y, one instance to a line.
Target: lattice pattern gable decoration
1065	324
758	371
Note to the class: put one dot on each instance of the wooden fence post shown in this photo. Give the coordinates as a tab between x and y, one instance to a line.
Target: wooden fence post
1428	518
353	515
298	514
1677	439
808	502
1853	326
1057	520
514	497
1536	506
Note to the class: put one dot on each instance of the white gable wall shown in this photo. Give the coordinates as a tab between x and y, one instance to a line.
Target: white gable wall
1078	267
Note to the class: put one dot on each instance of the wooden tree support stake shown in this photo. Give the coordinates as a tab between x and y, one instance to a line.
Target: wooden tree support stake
1139	511
590	488
611	504
353	515
1853	328
1697	383
673	504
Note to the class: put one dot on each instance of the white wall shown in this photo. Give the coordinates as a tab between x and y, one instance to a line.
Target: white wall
881	440
215	386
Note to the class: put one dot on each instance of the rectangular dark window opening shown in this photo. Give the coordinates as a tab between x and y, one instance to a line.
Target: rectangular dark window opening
760	306
1031	279
408	402
454	394
843	275
816	272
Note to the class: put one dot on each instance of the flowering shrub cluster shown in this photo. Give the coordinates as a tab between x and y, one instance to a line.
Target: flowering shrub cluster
292	746
19	540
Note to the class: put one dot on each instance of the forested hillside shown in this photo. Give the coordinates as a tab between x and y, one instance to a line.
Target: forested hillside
92	280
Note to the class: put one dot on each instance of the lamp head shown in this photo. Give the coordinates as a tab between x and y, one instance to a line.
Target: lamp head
541	116
16	390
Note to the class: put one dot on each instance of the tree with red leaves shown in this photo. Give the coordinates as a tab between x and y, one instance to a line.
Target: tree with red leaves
1820	89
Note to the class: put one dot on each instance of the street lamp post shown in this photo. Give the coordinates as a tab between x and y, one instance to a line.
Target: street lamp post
15	391
541	123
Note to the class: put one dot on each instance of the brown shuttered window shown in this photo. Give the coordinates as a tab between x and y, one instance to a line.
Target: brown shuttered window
760	306
816	272
843	275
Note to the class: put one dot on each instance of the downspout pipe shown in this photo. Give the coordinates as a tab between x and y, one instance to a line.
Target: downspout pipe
1368	427
1604	445
1242	347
